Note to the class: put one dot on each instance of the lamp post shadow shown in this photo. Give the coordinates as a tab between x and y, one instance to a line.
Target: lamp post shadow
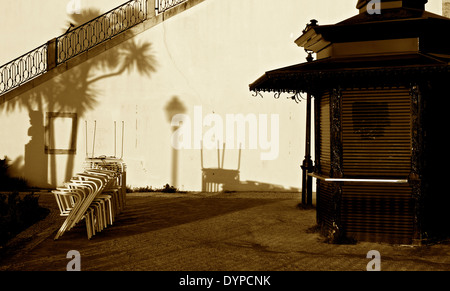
174	107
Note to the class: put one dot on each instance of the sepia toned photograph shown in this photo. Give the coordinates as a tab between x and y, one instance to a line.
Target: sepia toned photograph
223	141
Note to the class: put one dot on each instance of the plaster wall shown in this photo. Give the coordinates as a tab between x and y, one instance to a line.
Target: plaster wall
205	56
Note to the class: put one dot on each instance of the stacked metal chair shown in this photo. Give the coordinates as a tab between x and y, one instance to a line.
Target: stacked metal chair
96	196
117	171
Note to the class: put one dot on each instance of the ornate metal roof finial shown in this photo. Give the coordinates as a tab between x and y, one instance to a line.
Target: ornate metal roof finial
310	57
311	23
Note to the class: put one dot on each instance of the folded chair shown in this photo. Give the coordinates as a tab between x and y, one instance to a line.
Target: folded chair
110	187
90	207
101	202
119	169
70	199
97	196
104	197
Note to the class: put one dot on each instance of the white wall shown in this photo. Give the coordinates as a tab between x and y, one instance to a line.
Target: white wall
27	24
207	56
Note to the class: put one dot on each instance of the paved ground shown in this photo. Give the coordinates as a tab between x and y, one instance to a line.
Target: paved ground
209	232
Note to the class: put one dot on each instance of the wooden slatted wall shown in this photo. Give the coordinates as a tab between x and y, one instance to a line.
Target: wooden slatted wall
376	141
376	133
325	129
325	206
378	212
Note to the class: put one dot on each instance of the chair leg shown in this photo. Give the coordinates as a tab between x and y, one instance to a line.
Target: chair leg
88	220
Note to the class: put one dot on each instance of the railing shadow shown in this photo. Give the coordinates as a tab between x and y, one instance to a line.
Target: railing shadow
88	31
73	93
97	28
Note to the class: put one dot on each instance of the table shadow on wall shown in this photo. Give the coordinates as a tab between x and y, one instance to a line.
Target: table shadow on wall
71	95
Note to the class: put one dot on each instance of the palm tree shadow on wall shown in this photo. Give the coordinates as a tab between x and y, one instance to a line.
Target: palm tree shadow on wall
75	92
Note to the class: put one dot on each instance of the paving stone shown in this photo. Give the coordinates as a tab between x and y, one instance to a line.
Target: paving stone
209	232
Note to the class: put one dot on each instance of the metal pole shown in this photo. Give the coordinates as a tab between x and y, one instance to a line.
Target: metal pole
201	154
223	154
218	154
306	166
239	158
85	126
307	163
123	132
93	141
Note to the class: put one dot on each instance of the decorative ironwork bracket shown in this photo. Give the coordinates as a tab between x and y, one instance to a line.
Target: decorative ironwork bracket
292	95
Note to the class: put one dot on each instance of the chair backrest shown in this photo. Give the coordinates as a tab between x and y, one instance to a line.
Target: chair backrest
67	198
78	194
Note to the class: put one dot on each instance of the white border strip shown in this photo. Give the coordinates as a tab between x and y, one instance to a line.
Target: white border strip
396	181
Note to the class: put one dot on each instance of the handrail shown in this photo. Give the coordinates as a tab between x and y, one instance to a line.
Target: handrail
23	69
100	29
163	5
72	43
77	41
359	180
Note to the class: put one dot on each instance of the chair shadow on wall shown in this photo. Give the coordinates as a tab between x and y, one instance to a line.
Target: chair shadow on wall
228	180
221	179
74	92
